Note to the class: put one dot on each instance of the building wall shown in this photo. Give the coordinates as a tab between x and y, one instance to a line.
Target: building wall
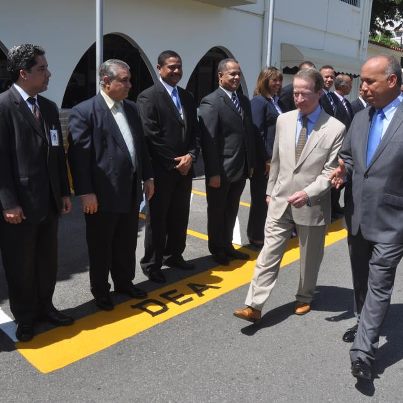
66	29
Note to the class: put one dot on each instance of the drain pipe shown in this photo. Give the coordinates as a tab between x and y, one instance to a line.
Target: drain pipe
268	16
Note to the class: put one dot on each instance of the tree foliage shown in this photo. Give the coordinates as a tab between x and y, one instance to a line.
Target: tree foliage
385	15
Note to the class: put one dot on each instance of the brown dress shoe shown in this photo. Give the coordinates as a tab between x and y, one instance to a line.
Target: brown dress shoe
301	308
248	313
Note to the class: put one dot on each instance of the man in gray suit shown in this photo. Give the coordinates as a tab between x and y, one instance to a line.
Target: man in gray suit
298	193
371	160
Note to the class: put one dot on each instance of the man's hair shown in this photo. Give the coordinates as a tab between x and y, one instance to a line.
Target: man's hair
311	74
342	81
326	66
306	64
393	67
222	66
22	57
267	74
166	54
108	68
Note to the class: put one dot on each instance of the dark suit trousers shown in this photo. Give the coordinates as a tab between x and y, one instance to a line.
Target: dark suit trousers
112	242
258	208
167	219
222	210
29	254
380	261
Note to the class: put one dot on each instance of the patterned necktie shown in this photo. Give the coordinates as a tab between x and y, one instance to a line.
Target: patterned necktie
235	100
343	101
35	110
375	134
332	104
177	101
302	138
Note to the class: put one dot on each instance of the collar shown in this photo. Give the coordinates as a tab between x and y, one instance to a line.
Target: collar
168	87
313	116
229	93
23	94
338	95
109	101
389	110
364	102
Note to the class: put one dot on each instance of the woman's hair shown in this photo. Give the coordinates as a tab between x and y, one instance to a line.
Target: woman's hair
267	74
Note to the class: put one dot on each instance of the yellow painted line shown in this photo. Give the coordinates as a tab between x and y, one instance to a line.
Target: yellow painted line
198	193
62	346
196	234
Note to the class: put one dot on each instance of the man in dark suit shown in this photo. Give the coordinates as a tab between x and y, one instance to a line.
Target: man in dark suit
360	103
342	87
332	105
171	129
33	190
371	157
228	144
108	160
287	93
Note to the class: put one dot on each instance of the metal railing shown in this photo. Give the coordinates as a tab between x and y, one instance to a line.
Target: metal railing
355	3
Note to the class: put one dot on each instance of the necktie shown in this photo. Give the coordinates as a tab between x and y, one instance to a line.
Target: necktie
343	100
331	101
177	101
124	128
35	110
375	134
302	138
235	100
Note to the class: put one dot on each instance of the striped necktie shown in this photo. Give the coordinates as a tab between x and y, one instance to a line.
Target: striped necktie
302	138
235	100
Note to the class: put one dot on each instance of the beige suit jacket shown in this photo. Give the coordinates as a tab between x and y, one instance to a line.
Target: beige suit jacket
311	173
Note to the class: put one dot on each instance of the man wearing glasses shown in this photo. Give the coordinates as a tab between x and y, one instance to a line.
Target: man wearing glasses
305	152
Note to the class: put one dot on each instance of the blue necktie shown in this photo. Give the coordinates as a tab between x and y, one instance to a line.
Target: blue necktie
375	134
235	100
175	98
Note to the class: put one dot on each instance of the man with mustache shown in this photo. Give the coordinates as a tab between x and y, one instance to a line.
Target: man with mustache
108	161
34	190
171	129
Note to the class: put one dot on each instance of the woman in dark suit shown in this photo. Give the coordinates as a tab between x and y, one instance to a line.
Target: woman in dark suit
265	110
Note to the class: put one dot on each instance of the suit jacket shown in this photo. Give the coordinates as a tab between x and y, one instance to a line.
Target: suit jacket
168	135
228	139
310	173
338	111
264	116
287	98
357	105
376	202
99	159
33	172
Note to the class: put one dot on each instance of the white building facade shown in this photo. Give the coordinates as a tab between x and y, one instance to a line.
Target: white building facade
325	32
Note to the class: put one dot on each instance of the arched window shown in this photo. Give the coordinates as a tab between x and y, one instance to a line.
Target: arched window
204	77
82	83
5	81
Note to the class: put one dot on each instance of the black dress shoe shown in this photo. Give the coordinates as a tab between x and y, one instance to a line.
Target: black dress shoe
349	336
104	303
236	254
24	332
221	258
57	318
132	291
361	370
156	276
179	262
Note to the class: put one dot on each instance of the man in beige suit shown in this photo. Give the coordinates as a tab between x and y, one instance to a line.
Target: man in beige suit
305	153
